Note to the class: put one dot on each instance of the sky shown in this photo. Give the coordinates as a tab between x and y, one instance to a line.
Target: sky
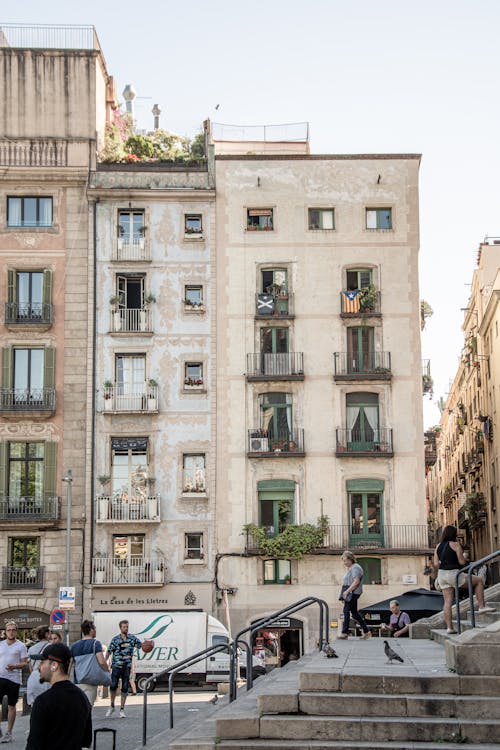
388	77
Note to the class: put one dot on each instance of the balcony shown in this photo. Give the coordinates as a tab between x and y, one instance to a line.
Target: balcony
132	571
272	306
369	366
286	445
109	509
390	539
29	509
475	510
279	366
130	249
115	401
358	304
37	315
131	320
375	443
23	401
23	577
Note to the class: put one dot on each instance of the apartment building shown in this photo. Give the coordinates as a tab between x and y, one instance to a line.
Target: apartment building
319	375
462	485
154	476
50	133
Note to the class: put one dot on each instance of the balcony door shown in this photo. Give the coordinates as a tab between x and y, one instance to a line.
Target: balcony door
360	348
365	518
128	559
274	351
359	278
276	507
130	381
362	415
276	418
274	281
29	295
129	476
130	303
28	375
131	226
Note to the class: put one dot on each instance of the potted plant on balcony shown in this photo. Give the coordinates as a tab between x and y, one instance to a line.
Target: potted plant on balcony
114	301
152	395
108	395
368	298
103	500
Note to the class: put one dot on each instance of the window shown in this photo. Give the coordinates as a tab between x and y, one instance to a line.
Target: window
131	226
372	568
130	306
276	418
24	552
260	219
193	374
276	505
365	510
194	479
29	296
273	298
360	349
321	218
27	379
193	296
379	218
362	421
193	546
130	381
359	278
274	340
129	548
29	212
193	224
129	470
27	472
277	571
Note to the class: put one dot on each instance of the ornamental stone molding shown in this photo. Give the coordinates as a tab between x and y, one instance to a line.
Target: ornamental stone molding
29	430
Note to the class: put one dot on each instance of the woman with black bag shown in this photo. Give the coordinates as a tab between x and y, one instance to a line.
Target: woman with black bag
351	591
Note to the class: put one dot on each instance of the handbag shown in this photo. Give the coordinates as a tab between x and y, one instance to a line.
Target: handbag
88	671
348	597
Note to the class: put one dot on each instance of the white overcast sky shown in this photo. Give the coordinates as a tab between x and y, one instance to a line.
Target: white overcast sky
418	76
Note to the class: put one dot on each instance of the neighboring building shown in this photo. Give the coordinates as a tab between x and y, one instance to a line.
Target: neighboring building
154	491
53	101
463	483
319	373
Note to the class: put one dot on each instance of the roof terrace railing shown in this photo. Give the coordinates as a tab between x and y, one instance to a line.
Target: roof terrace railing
48	36
297	132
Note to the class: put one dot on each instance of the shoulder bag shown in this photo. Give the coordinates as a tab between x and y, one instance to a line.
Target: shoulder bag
88	671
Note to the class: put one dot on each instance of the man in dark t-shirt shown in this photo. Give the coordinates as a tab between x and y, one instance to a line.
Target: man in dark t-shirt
61	718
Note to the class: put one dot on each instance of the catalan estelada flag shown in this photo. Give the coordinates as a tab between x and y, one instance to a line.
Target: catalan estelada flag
350	301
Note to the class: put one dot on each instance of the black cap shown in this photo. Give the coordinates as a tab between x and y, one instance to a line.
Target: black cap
55	652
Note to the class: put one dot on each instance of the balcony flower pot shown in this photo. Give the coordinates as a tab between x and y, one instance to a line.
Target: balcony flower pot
103	508
143	318
99	576
158	575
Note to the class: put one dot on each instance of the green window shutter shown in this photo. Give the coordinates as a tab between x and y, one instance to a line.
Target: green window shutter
3	469
49	468
11	285
47	287
365	485
7	367
48	367
276	485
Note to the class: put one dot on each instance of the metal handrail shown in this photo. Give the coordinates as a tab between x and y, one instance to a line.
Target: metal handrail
301	604
469	570
172	671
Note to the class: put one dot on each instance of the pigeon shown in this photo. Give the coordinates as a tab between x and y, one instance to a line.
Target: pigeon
214	699
329	651
391	655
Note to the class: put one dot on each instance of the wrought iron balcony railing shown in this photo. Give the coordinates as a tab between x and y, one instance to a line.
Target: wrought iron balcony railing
131	320
364	366
264	444
25	577
131	249
17	313
375	441
111	509
140	400
32	400
276	366
35	509
131	571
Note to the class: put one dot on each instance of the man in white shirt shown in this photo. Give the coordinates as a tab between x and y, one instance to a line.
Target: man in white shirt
13	657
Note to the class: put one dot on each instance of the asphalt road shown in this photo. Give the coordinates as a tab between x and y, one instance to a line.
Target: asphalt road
188	707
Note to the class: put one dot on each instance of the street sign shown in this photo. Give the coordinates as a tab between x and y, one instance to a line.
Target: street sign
67	597
57	627
57	617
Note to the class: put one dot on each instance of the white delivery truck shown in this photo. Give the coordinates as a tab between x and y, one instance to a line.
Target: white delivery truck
177	634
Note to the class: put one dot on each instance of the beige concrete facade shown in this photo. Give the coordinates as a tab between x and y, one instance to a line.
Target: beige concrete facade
463	484
52	103
313	266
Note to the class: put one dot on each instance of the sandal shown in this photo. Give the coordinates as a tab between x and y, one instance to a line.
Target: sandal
450	631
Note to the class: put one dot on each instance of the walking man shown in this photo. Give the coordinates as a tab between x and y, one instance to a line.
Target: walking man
34	687
61	718
88	644
13	657
121	651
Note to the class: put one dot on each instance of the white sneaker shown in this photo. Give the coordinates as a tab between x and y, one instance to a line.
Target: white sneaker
483	610
123	715
110	712
6	738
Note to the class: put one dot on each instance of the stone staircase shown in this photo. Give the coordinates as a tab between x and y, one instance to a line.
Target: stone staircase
445	695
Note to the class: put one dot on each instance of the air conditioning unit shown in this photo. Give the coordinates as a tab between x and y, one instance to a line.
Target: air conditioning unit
259	445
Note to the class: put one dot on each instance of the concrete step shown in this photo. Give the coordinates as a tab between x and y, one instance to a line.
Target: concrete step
374	704
378	729
342	745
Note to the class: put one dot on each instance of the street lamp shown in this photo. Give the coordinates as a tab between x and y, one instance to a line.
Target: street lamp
68	478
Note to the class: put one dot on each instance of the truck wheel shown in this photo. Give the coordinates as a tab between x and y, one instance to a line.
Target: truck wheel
140	683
